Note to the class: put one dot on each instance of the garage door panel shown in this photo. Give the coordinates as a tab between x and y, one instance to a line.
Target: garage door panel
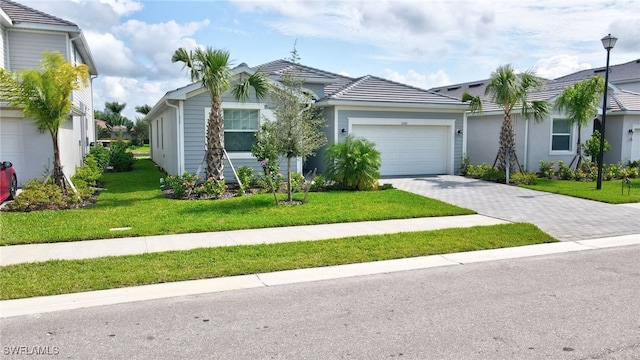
11	142
407	149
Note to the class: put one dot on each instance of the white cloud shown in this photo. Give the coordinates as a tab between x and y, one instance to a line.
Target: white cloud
124	7
112	56
559	65
416	79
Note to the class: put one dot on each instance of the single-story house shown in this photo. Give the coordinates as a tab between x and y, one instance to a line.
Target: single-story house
417	131
26	33
552	139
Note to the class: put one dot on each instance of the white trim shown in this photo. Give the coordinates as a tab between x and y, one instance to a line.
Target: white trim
402	122
464	134
572	134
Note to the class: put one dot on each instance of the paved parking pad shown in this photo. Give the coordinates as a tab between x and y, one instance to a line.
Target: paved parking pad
563	217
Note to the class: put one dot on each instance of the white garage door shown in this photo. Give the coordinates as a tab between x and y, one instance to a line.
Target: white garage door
408	149
11	143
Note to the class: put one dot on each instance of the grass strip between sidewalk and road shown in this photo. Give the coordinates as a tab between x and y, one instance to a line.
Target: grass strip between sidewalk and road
612	192
70	276
134	203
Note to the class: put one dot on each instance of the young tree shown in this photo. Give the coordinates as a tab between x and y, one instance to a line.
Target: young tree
45	95
297	128
510	90
580	103
213	69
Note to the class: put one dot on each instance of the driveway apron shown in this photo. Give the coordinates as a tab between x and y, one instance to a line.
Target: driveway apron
563	217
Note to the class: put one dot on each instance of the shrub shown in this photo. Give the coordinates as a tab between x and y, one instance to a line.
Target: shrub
464	164
37	196
182	185
591	147
120	159
245	174
320	183
523	178
354	163
386	186
564	172
90	173
101	156
547	169
272	183
210	188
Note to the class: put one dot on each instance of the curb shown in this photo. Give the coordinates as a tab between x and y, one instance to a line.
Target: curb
46	304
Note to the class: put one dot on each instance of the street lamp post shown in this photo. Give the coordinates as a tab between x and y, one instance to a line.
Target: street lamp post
608	42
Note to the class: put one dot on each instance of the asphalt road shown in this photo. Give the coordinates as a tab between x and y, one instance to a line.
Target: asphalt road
580	305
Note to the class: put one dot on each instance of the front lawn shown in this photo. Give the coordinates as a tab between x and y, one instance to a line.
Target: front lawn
133	201
611	192
69	276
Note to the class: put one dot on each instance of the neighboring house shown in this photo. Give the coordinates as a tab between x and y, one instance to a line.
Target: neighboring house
117	132
552	139
417	131
26	33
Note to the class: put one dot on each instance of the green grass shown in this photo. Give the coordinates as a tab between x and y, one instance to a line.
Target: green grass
28	280
611	191
134	200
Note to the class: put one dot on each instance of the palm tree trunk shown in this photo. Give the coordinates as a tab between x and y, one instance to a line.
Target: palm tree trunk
507	141
579	149
215	141
58	175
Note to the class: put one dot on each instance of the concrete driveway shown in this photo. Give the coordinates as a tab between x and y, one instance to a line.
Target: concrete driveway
563	217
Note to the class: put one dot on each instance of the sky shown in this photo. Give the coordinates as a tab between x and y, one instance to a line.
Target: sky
425	43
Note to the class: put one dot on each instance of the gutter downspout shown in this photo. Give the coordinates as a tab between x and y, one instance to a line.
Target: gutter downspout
179	139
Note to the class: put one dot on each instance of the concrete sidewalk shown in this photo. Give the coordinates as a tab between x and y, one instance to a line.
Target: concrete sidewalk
16	254
45	304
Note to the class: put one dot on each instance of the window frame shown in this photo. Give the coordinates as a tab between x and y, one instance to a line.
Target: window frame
237	106
571	134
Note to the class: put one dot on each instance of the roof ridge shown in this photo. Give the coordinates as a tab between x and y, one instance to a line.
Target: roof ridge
307	67
30	9
350	86
416	88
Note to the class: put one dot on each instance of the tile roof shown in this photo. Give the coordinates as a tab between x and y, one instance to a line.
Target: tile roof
374	89
624	101
617	73
621	101
19	13
365	89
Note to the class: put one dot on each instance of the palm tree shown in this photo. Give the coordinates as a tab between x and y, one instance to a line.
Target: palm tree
45	96
213	69
580	103
509	90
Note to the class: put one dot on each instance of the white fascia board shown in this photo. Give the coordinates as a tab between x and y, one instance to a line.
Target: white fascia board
372	104
45	27
85	52
5	19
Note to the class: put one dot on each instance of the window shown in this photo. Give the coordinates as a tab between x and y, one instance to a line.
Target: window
240	126
561	135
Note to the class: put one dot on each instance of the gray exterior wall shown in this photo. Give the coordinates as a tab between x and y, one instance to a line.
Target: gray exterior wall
614	134
194	137
26	48
163	142
532	140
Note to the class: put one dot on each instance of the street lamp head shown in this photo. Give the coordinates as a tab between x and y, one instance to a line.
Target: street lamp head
609	42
